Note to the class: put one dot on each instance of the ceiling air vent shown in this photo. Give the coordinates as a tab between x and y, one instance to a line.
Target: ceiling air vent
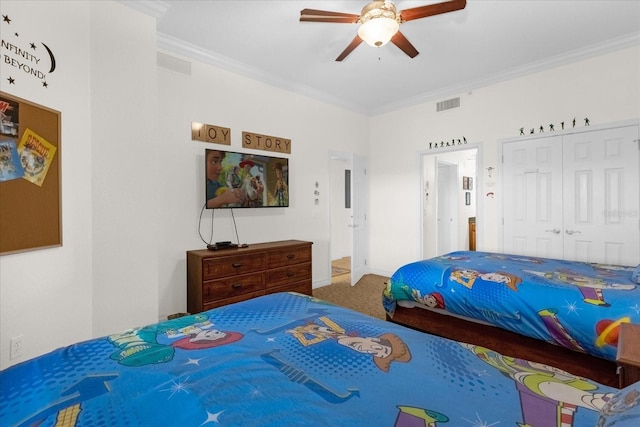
448	104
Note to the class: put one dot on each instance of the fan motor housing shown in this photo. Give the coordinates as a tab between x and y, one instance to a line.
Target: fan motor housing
379	9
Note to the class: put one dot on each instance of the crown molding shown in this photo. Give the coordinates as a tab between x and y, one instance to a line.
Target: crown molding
194	52
549	63
155	9
188	50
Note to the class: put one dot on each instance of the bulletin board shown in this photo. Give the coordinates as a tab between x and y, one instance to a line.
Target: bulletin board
30	184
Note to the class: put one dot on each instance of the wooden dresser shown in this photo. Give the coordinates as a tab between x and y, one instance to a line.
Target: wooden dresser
216	278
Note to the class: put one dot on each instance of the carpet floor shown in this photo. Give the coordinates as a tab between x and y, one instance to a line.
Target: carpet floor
365	296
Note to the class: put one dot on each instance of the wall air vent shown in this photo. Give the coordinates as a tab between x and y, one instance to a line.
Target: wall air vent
448	104
172	63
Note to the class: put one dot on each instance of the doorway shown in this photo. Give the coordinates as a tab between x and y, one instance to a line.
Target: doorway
449	202
348	204
341	217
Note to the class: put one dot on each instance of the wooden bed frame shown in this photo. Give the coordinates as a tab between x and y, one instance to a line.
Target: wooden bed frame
508	343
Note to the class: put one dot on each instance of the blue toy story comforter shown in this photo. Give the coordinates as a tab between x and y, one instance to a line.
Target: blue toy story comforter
292	360
573	304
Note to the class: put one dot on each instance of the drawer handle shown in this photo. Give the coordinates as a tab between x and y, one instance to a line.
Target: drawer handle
236	265
291	256
236	285
290	274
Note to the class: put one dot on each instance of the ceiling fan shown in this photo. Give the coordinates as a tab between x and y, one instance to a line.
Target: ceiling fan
380	22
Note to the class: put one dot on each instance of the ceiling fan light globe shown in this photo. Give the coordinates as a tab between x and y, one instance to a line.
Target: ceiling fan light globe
377	32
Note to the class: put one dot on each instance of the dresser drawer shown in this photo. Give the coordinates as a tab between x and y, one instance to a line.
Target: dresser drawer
238	298
303	287
232	286
289	256
213	268
283	275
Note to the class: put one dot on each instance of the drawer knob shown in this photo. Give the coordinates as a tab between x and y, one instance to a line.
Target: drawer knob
291	256
236	265
236	285
290	274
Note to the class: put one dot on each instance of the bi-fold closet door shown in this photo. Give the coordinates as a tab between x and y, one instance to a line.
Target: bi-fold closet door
573	196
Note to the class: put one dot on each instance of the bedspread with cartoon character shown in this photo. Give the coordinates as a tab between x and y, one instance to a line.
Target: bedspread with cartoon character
291	360
573	304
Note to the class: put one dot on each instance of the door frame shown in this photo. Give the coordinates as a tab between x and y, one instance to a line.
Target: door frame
478	185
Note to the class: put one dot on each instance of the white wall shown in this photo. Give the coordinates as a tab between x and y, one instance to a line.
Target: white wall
604	89
45	295
124	168
104	277
214	96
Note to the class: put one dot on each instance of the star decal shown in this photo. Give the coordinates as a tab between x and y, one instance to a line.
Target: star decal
193	362
572	307
6	19
11	81
212	418
176	388
271	339
45	84
481	373
255	392
478	422
636	308
33	46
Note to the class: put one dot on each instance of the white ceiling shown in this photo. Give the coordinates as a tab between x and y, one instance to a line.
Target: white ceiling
487	42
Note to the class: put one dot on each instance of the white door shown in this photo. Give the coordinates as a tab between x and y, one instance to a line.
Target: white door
574	197
448	193
601	204
359	206
532	185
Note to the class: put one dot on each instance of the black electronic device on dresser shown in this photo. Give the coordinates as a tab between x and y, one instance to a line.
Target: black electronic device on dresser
223	245
218	277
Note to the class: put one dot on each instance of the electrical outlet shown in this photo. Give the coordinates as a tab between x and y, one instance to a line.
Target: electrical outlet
16	347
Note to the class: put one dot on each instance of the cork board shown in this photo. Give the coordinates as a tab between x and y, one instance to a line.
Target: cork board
30	202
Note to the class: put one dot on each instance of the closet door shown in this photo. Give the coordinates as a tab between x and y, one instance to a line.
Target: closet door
532	210
601	196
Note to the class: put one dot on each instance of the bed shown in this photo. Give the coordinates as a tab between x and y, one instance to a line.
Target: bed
288	359
566	313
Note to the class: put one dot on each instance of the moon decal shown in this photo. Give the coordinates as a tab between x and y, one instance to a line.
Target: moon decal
53	59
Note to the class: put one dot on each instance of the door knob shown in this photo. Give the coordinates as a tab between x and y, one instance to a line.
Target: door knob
554	231
571	232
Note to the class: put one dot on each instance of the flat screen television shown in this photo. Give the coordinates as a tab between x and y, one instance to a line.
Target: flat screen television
241	180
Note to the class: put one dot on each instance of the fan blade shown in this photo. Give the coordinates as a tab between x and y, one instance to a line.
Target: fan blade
405	45
431	9
354	44
313	15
